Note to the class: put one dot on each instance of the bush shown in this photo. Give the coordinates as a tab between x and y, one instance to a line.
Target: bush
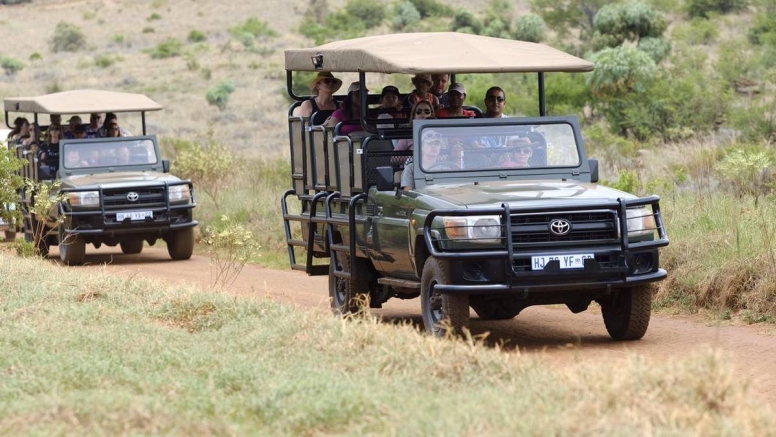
209	164
168	48
153	17
464	19
620	70
231	246
756	120
104	61
697	31
196	36
745	170
704	8
617	23
530	27
370	12
10	182
657	48
219	95
496	28
10	65
432	8
406	15
148	29
35	57
67	38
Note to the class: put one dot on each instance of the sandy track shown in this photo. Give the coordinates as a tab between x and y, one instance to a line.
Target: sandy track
554	332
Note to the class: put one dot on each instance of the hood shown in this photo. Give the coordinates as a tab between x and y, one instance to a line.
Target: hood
118	179
522	193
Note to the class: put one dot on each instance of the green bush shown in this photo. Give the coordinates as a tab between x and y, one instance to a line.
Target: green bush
208	163
745	170
148	29
530	27
10	65
153	17
616	23
219	95
432	8
496	28
406	15
697	31
370	12
10	182
35	57
196	36
620	70
704	8
105	61
168	48
628	181
657	48
67	38
755	120
464	19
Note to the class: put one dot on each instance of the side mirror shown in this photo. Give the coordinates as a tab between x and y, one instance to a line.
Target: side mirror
593	170
166	165
385	179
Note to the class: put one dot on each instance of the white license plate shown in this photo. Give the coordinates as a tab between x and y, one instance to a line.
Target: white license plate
576	261
134	215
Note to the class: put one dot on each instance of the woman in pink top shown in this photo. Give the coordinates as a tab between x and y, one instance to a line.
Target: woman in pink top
350	111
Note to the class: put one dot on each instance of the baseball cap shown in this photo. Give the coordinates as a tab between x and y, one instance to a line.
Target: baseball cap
458	87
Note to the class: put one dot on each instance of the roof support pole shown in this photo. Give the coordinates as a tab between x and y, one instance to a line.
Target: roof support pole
542	97
142	117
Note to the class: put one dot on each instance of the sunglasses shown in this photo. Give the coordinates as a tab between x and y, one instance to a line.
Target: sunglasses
524	150
422	111
327	81
496	98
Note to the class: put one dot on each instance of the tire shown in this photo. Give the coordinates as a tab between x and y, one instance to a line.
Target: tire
443	314
349	296
494	309
10	235
626	314
131	247
72	249
180	244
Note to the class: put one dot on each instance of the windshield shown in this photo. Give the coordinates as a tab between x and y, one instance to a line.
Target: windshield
93	154
505	146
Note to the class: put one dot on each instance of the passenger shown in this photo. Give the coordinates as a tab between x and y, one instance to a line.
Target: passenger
439	87
73	159
456	97
113	130
323	88
109	119
93	129
350	111
72	123
390	105
79	132
21	129
520	153
421	111
55	120
32	138
495	100
49	150
421	92
432	145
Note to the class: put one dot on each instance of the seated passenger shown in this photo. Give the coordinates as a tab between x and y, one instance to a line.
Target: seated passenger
439	87
421	92
79	132
420	111
93	129
520	152
390	105
49	150
350	111
113	130
21	127
432	144
109	119
456	98
323	88
69	132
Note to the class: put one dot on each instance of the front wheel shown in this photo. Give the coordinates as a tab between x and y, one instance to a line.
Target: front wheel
349	296
442	313
626	313
72	249
180	244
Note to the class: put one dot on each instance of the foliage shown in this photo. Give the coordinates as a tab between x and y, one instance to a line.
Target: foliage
231	246
696	31
406	15
432	8
67	38
704	8
745	170
616	23
105	61
218	95
196	36
154	16
35	57
657	48
46	195
169	48
620	70
148	29
496	28
737	62
370	12
208	163
566	93
10	182
251	30
755	120
530	27
565	15
464	19
763	30
10	65
628	181
14	2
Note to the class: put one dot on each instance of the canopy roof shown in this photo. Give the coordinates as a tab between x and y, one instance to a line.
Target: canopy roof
82	102
438	52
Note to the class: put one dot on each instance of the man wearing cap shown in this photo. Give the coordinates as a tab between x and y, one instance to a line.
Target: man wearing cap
390	103
323	87
439	87
457	96
72	123
421	92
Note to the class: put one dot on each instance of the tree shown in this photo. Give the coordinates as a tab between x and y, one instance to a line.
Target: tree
633	21
565	15
530	27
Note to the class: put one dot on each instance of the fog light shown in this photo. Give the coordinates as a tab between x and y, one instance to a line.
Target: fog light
472	271
642	263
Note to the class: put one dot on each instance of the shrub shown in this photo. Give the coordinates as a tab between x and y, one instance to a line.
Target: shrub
148	29
168	48
464	19
432	8
153	17
10	182
657	48
118	39
703	8
745	170
756	120
231	246
196	36
530	27
104	61
628	181
620	70
697	31
254	27
496	28
67	38
219	95
370	12
10	65
35	57
632	21
209	164
406	15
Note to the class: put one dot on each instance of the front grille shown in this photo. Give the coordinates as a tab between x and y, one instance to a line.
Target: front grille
148	197
586	226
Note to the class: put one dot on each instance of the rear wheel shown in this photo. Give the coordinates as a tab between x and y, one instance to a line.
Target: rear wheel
180	244
131	247
349	296
442	313
72	249
627	312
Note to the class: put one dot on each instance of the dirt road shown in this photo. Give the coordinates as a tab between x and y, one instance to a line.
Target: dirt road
555	332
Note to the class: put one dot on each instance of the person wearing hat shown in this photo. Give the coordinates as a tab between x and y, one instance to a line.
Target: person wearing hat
349	112
520	152
390	99
71	124
432	143
323	87
457	96
421	92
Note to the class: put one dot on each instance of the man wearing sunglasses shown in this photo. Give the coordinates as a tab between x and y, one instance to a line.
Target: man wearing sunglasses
495	101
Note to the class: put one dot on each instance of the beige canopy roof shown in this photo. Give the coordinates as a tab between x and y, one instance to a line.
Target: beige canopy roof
439	52
82	102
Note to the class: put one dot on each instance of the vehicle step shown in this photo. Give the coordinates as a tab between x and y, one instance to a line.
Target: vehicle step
405	283
298	243
317	270
341	274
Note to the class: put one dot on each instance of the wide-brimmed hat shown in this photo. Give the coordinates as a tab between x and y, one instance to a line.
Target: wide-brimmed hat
424	77
355	86
336	83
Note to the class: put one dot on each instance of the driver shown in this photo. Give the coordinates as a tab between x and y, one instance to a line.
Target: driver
520	152
432	143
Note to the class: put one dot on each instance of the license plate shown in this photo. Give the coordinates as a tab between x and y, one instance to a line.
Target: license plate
576	261
134	215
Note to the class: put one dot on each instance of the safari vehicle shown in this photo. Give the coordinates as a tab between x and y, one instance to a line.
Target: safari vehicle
117	191
478	228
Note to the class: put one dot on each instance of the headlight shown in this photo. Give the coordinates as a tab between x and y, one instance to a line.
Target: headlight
178	192
84	198
641	222
475	229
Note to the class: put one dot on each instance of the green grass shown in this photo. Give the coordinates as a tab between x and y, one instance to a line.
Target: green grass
94	354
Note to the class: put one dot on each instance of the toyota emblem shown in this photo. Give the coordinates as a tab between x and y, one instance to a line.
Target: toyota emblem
132	196
560	227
